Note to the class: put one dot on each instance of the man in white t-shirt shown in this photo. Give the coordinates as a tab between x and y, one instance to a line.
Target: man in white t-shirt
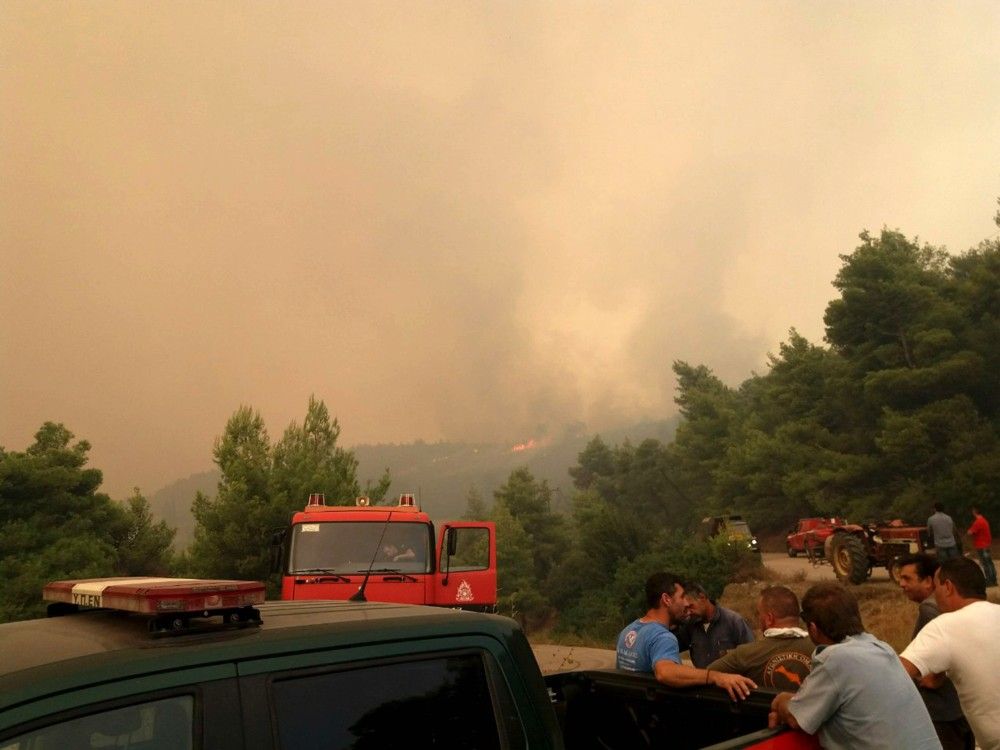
962	641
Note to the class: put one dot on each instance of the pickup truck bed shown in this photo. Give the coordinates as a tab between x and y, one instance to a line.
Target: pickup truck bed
609	709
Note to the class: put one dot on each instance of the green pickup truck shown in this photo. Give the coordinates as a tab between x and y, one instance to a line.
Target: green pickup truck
337	675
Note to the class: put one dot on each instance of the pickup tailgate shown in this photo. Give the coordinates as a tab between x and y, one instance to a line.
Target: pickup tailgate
612	709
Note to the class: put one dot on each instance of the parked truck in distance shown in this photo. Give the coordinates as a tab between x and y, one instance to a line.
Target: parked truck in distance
325	676
388	554
731	527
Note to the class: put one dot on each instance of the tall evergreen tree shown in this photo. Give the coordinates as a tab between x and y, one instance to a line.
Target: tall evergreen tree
260	486
231	529
55	524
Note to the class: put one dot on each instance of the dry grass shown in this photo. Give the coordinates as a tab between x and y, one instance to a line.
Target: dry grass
886	613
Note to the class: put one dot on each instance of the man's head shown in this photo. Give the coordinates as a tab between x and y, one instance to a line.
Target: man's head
958	582
700	606
975	511
665	592
939	507
777	607
831	613
916	575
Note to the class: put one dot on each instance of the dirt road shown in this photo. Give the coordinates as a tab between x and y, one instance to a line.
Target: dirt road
572	658
794	566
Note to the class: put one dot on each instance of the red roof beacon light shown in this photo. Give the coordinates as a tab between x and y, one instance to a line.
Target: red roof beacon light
170	601
406	501
316	500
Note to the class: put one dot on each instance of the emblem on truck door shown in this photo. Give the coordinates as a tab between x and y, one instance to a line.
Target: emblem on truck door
464	592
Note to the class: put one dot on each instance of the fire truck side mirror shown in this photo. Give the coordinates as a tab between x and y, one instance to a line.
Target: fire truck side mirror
452	542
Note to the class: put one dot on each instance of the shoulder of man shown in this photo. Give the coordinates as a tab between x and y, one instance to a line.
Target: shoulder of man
656	630
848	649
731	616
927	611
739	623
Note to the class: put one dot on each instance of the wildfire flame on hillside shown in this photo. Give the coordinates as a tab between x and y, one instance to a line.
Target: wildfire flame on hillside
524	446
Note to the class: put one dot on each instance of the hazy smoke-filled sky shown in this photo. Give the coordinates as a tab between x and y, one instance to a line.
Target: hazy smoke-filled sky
451	220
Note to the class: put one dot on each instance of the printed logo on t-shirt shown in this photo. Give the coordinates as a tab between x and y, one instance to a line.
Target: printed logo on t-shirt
786	670
630	638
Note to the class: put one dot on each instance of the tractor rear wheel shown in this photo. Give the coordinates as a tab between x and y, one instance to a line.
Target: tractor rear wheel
850	559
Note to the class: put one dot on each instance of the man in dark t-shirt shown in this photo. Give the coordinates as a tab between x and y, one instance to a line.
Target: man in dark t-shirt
781	659
710	630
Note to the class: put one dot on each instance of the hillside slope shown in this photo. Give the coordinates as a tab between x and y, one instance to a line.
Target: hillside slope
440	474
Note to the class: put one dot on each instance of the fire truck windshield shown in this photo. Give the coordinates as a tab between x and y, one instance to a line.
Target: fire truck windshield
351	546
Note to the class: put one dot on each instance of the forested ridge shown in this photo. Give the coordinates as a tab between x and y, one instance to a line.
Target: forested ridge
897	409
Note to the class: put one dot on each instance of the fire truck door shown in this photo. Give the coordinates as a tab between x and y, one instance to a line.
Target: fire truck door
466	565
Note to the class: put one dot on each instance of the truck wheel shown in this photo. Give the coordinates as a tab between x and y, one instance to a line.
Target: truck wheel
792	552
850	559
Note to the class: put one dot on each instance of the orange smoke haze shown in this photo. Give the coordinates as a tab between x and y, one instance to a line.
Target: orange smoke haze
464	221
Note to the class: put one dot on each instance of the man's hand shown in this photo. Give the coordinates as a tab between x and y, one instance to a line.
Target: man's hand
780	713
736	685
932	681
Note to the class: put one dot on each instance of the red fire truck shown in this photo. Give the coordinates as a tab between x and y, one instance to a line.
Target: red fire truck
387	554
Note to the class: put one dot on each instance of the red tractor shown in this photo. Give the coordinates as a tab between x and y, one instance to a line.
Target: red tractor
854	550
809	535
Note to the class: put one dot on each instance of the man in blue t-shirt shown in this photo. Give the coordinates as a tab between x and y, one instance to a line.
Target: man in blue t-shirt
647	645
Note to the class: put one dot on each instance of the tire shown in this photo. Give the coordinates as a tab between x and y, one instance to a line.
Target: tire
850	559
792	552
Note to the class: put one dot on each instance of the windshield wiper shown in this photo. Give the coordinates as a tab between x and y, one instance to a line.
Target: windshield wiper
392	571
322	571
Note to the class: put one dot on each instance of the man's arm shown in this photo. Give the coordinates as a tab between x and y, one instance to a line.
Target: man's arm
684	675
729	662
932	681
931	649
910	669
780	713
812	705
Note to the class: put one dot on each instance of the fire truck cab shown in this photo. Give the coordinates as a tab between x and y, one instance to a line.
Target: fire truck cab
387	554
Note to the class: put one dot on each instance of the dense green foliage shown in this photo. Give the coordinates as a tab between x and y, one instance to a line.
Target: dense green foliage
900	410
54	524
262	485
584	572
